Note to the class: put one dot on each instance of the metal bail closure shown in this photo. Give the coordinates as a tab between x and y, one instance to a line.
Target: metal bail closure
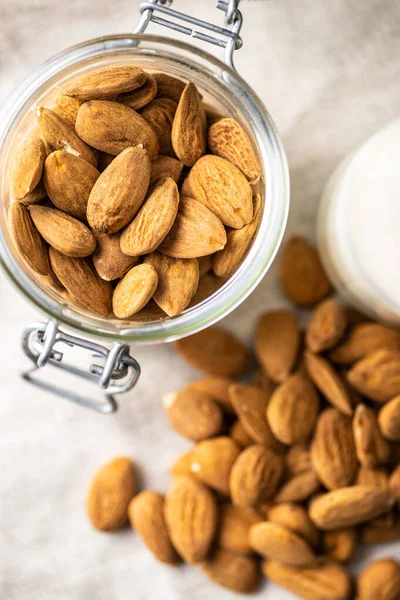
117	375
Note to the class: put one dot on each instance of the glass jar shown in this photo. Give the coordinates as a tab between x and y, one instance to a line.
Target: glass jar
222	87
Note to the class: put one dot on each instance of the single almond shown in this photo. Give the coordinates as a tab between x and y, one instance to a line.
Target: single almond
27	167
232	571
196	232
141	96
58	134
109	260
194	415
82	282
371	448
110	492
240	435
215	351
389	420
69	180
221	187
153	221
333	452
329	382
63	232
159	113
340	545
191	517
67	108
295	518
104	83
29	242
212	462
302	275
349	506
228	139
166	166
234	527
119	192
146	515
112	127
217	388
326	326
276	542
380	579
168	86
298	487
189	127
377	375
134	290
363	339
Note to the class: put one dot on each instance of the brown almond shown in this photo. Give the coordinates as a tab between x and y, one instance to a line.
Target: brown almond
240	435
292	409
105	83
60	135
196	232
377	375
134	290
333	452
67	108
35	196
119	192
302	275
255	476
111	490
349	506
295	518
371	448
215	351
146	515
182	466
109	260
112	127
340	545
166	166
389	420
189	127
217	387
298	488
234	527
159	113
68	180
193	414
27	167
212	462
191	518
64	233
380	579
232	571
323	581
329	382
29	242
279	543
228	139
168	86
327	325
221	187
141	96
363	339
82	282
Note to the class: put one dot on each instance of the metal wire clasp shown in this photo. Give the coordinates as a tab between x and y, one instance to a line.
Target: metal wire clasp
225	38
118	374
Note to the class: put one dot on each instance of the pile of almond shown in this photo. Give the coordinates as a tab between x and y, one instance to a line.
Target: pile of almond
289	471
134	196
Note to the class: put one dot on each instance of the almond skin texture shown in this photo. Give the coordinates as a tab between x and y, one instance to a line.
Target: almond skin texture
134	291
295	518
141	96
372	450
189	127
349	506
230	570
153	221
146	515
191	516
324	581
112	127
60	135
277	342
159	113
217	388
234	527
212	462
363	339
67	108
221	187
326	326
105	83
372	477
166	166
82	282
168	86
333	452
112	488
255	476
64	233
298	488
340	545
196	232
329	382
27	167
119	192
380	579
292	409
389	420
29	242
228	139
109	260
278	543
69	180
215	351
377	375
193	414
302	275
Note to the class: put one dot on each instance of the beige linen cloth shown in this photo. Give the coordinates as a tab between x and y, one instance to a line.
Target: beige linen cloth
329	73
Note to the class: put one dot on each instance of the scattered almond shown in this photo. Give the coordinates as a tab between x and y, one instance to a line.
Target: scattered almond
363	339
193	414
298	487
326	326
389	420
377	375
371	448
212	462
329	382
233	571
279	543
217	387
380	579
295	518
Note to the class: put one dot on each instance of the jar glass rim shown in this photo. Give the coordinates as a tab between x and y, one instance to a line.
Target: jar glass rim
265	244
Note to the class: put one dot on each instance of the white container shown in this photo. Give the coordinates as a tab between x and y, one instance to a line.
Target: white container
359	226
